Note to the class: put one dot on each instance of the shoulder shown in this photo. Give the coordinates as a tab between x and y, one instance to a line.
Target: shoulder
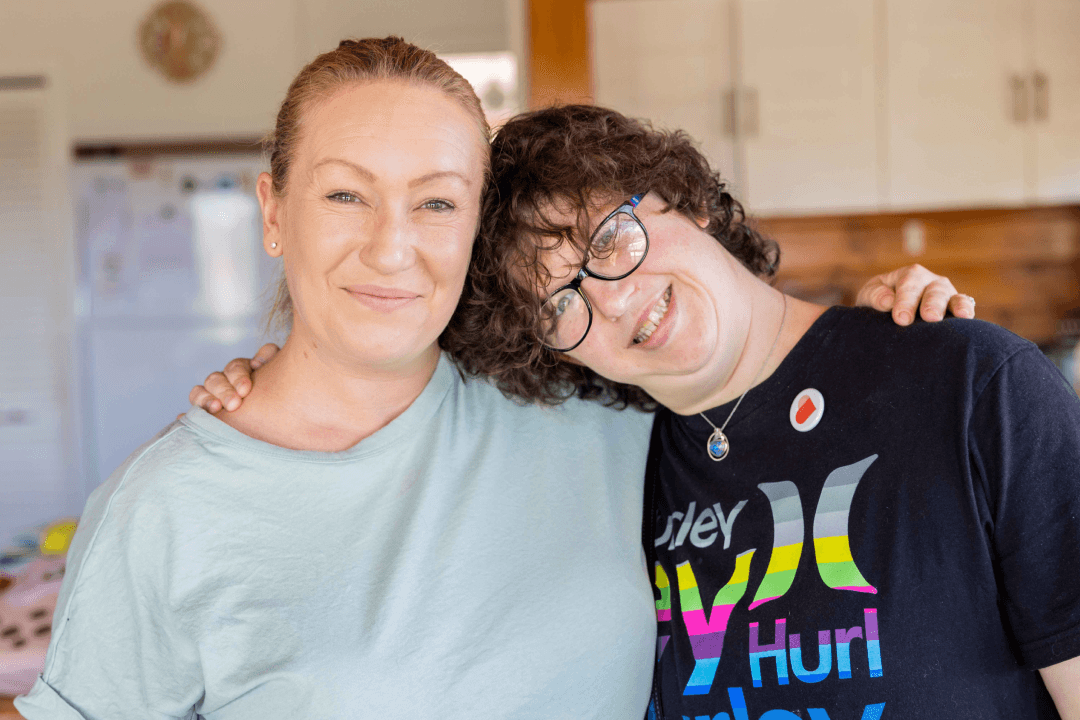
478	401
980	346
977	334
154	490
178	453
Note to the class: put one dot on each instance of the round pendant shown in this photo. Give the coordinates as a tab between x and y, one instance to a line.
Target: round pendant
718	446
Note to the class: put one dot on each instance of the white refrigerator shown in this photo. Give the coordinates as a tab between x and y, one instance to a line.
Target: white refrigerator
172	283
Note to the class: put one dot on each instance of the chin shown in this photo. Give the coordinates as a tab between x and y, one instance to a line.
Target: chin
374	347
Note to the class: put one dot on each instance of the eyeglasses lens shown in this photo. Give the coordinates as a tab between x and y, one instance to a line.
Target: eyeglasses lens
617	247
566	319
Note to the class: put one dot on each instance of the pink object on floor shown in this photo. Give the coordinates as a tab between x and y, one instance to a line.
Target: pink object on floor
26	610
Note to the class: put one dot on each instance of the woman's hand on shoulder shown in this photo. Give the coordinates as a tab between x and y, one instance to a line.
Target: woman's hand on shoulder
228	388
911	288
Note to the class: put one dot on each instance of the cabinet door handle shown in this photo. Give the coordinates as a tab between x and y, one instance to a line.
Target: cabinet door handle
1019	99
730	112
751	118
1042	97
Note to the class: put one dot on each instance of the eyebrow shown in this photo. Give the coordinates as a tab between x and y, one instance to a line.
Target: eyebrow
358	169
423	179
415	182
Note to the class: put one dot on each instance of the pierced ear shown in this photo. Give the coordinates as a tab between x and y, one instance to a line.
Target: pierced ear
270	206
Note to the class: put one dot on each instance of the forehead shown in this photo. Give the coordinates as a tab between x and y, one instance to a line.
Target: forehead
394	128
558	256
564	211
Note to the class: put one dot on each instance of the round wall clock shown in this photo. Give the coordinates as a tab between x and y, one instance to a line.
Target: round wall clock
179	40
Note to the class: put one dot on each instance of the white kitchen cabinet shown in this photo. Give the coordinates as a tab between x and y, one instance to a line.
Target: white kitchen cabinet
983	102
1055	123
780	93
809	139
957	104
668	61
858	105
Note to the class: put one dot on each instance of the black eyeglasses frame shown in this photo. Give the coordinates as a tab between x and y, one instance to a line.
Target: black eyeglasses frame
584	272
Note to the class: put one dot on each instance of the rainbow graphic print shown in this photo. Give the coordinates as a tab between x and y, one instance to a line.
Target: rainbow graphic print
831	546
788	532
663	608
707	636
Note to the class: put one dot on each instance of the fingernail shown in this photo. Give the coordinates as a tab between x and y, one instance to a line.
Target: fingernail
932	315
905	317
233	404
256	364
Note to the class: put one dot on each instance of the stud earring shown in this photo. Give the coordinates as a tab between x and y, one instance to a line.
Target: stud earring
273	246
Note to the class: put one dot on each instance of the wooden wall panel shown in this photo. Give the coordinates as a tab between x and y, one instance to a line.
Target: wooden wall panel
558	66
1021	265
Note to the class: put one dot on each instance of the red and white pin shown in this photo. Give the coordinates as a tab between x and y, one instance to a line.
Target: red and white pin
806	410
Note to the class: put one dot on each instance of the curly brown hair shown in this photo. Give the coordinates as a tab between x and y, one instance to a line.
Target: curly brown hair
576	157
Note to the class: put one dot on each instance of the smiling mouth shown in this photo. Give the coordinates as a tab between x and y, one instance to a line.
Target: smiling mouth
380	298
655	316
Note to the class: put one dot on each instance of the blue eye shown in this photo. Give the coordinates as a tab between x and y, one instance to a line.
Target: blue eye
344	197
565	303
605	238
440	205
611	234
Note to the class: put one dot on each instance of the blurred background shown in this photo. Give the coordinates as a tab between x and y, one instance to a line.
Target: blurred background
861	134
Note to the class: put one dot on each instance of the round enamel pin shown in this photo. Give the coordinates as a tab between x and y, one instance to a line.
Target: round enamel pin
806	410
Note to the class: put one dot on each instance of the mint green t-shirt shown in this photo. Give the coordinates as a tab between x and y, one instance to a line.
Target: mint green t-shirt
475	558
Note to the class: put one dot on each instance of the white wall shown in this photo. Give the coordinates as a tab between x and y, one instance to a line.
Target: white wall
115	95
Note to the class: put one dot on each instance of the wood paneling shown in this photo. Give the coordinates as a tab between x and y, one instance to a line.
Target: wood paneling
1020	265
559	70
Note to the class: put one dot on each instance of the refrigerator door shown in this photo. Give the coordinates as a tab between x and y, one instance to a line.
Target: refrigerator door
173	284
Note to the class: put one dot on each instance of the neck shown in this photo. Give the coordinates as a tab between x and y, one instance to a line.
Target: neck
770	334
304	399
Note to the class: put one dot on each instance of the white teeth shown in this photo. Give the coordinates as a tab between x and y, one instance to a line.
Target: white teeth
655	316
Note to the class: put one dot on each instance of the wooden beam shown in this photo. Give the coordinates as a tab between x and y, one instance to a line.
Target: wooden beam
559	67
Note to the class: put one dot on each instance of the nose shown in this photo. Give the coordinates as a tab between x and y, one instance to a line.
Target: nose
389	248
610	298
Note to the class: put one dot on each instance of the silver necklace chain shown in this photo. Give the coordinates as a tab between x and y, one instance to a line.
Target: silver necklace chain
718	445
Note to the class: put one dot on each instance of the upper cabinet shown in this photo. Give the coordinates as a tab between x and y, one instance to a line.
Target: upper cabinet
983	102
808	99
668	62
1055	68
957	104
842	106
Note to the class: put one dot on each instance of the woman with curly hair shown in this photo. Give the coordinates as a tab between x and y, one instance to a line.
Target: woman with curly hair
908	496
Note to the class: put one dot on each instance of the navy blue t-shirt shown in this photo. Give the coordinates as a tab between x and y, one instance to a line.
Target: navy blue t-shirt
894	534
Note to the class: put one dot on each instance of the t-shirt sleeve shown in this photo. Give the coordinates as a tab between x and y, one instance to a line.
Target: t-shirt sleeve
1025	444
118	650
